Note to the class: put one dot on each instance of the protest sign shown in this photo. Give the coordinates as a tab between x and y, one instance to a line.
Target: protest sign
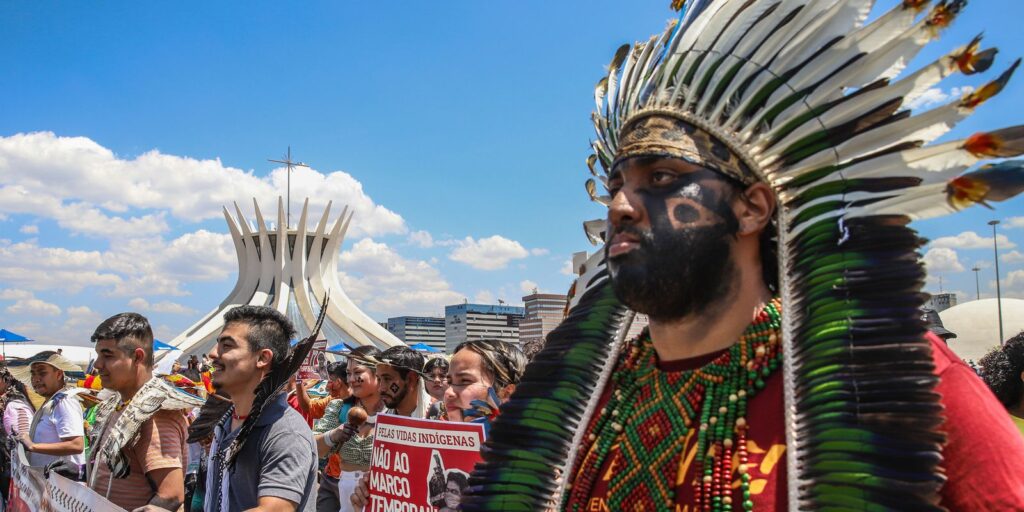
421	465
32	492
315	364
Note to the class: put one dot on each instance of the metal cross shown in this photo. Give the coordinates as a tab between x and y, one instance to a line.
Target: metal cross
289	163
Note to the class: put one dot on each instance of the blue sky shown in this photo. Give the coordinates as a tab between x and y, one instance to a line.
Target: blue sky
457	130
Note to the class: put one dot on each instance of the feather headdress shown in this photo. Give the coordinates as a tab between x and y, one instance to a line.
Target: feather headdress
814	102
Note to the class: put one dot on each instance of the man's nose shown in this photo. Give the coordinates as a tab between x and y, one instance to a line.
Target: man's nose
623	207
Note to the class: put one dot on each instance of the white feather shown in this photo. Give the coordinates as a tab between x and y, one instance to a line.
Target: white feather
738	23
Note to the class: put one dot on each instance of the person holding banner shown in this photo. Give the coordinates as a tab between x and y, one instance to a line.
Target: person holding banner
483	374
57	432
138	455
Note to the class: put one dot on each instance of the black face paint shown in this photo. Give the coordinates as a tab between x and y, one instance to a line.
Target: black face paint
397	395
678	270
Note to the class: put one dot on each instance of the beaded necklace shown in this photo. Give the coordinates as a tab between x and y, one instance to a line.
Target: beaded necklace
651	411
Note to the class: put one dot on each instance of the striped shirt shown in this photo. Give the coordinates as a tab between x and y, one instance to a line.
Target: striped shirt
160	445
17	417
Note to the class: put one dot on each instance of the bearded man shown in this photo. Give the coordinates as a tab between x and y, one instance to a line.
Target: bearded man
401	383
729	143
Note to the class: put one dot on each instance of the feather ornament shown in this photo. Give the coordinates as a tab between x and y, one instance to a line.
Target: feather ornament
531	440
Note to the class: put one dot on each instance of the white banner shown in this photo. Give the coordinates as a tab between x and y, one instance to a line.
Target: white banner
31	492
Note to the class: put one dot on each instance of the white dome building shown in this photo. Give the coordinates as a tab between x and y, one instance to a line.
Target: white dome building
976	325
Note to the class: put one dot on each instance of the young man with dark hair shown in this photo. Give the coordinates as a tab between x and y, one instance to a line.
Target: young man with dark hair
150	470
400	382
275	462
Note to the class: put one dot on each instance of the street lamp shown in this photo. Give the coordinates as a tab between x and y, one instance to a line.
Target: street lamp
999	294
977	283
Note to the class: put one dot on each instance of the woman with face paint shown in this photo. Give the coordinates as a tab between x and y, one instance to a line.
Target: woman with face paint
355	445
482	375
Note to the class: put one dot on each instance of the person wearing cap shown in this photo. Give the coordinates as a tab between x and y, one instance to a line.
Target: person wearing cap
931	318
57	432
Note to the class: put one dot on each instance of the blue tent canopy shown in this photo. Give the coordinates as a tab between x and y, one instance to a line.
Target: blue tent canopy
159	345
340	347
423	347
10	337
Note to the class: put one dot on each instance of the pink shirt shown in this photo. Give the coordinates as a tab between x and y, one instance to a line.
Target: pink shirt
17	417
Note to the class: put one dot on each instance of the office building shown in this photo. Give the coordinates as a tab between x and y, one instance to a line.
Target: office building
544	311
941	301
464	322
418	329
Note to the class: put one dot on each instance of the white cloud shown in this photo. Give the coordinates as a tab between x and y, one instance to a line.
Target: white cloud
33	307
165	306
421	239
133	267
941	259
935	96
492	253
1014	222
567	268
528	286
12	294
29	229
72	180
1012	257
1012	285
540	252
971	240
78	327
484	297
381	281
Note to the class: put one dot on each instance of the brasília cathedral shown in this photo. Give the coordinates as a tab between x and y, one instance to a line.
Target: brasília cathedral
292	270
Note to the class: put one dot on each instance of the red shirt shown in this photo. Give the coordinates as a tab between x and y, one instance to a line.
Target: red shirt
294	402
983	458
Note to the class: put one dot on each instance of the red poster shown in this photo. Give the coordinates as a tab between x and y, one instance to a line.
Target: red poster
421	465
315	365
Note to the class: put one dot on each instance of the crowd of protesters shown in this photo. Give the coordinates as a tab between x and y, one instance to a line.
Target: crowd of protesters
302	453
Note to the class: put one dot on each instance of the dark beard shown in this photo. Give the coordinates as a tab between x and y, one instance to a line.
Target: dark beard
675	273
399	396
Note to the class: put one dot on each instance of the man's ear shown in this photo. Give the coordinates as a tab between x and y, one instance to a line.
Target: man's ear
139	355
755	209
264	358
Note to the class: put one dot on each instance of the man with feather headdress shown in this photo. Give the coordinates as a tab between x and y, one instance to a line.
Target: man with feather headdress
263	456
761	170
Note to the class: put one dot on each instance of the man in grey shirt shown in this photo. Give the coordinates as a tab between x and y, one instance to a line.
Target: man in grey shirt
276	467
